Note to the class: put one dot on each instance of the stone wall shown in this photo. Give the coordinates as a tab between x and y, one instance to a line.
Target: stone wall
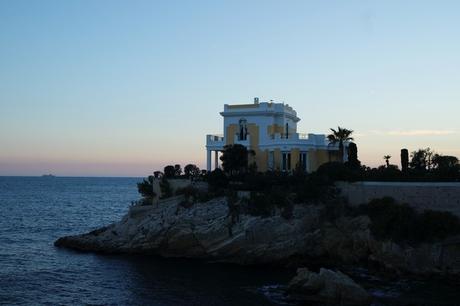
430	195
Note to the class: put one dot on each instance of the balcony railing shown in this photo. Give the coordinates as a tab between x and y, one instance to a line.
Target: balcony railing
310	138
294	136
214	140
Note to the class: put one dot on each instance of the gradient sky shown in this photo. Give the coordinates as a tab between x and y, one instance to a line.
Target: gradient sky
120	88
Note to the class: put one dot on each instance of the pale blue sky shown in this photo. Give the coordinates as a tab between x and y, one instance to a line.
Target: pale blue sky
125	87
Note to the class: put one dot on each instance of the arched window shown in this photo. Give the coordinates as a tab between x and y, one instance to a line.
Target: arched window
243	134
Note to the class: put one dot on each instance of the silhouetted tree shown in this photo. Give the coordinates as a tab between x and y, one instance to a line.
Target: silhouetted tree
235	159
169	171
340	136
421	159
145	188
446	166
177	170
387	160
158	174
404	160
192	170
353	156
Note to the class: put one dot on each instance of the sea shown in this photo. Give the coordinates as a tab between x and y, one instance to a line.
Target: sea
35	211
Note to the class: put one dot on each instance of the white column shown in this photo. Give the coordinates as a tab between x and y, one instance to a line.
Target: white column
216	159
208	159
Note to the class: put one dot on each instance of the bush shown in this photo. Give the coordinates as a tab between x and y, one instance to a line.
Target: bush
337	171
192	171
145	188
165	187
169	171
190	193
391	220
264	203
260	204
435	225
217	180
315	187
383	173
177	170
402	224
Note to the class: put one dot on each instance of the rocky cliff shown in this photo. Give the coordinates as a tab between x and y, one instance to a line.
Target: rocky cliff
208	231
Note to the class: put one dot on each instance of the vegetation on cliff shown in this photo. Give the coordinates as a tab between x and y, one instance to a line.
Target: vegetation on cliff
401	223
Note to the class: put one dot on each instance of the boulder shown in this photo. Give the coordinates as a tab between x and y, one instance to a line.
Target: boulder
327	287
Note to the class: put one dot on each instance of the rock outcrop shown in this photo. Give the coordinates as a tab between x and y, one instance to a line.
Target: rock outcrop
204	231
208	231
327	287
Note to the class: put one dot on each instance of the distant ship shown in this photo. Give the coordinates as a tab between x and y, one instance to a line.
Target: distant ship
48	175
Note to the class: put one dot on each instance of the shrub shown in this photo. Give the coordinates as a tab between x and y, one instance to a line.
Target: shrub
165	188
391	220
177	170
169	171
446	166
383	173
145	188
337	171
217	180
315	187
402	224
264	203
190	193
435	225
192	171
260	204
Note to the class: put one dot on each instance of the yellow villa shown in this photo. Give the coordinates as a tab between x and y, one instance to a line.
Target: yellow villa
270	130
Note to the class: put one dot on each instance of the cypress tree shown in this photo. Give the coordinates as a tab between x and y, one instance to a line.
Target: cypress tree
353	155
404	160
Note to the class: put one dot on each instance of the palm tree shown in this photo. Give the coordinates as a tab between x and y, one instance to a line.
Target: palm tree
387	159
340	136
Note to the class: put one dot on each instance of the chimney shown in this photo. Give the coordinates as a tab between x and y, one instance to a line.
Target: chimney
256	100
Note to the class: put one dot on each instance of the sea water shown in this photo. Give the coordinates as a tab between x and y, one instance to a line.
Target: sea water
35	211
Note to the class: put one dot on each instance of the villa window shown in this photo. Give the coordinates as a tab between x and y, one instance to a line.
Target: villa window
243	133
303	161
286	161
271	160
287	130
